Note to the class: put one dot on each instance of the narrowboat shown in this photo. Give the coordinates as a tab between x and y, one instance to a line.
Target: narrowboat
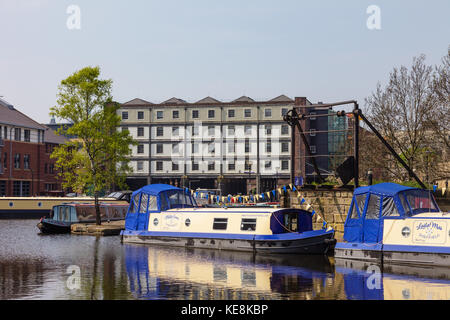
37	207
395	224
64	215
165	215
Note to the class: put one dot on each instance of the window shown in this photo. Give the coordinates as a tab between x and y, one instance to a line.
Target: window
268	113
283	111
176	148
140	132
134	203
5	159
159	165
195	166
268	147
360	203
26	134
195	130
420	201
195	148
175	114
26	161
312	132
175	166
248	166
124	115
248	129
388	208
373	208
248	113
405	205
211	130
268	129
140	165
211	113
231	130
220	223
140	148
211	147
152	204
268	164
159	131
313	149
284	165
46	168
159	148
21	188
247	146
312	114
194	114
159	114
231	147
231	113
140	115
17	134
144	203
284	129
284	147
17	161
175	131
248	224
211	165
231	166
2	188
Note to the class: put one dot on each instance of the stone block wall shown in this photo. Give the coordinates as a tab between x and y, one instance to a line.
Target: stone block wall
331	205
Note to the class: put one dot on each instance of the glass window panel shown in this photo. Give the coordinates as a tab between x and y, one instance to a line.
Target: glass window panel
360	201
144	203
373	208
389	209
152	204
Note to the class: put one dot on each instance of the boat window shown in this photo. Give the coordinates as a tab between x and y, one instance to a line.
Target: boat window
134	203
144	203
152	205
73	214
66	213
389	209
354	214
373	208
420	201
164	204
179	199
405	205
61	214
220	223
55	213
248	224
361	201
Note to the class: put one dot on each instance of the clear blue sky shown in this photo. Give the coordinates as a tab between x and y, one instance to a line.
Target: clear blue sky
191	49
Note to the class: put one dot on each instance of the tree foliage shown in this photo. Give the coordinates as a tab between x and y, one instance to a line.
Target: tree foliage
98	158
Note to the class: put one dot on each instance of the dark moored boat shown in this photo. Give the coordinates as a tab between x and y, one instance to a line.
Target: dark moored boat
64	215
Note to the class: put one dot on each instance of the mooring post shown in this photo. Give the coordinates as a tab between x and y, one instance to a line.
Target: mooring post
356	144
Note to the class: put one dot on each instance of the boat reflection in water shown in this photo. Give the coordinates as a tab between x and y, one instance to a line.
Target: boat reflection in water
363	281
176	273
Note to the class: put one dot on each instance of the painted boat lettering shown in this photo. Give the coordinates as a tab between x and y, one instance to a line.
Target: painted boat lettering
430	232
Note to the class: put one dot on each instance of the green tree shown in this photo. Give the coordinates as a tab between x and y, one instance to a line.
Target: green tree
98	157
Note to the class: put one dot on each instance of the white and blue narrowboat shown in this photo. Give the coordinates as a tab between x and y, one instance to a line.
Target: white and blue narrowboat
165	215
395	224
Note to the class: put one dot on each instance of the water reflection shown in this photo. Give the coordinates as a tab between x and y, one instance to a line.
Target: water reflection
171	273
35	267
395	282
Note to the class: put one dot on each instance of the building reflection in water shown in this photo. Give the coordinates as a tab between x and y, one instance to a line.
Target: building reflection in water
174	273
17	276
395	282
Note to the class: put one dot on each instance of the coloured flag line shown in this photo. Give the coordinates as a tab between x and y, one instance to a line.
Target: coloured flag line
264	197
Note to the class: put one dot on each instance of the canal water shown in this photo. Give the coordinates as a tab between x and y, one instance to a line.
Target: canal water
35	266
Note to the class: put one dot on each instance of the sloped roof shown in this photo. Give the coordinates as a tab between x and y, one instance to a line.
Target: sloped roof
174	100
208	100
244	99
52	137
282	98
136	101
13	117
155	189
385	188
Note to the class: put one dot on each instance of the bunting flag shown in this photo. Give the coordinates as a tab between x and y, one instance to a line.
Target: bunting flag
308	207
268	195
284	188
279	191
273	192
434	188
302	201
290	186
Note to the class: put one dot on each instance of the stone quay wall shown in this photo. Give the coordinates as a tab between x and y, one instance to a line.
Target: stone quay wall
331	205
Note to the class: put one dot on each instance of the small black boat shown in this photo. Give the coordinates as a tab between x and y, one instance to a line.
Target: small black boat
64	215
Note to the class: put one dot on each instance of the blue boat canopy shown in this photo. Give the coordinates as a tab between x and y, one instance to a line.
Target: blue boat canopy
155	198
372	204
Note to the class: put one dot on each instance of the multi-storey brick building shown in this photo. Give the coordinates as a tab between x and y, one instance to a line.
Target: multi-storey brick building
25	148
236	146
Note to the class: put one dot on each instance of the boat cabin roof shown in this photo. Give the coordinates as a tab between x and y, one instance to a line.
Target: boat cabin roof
156	189
385	188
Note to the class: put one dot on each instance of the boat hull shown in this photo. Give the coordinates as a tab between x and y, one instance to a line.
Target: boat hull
54	227
404	255
312	242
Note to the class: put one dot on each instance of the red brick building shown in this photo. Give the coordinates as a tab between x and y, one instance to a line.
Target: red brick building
25	147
